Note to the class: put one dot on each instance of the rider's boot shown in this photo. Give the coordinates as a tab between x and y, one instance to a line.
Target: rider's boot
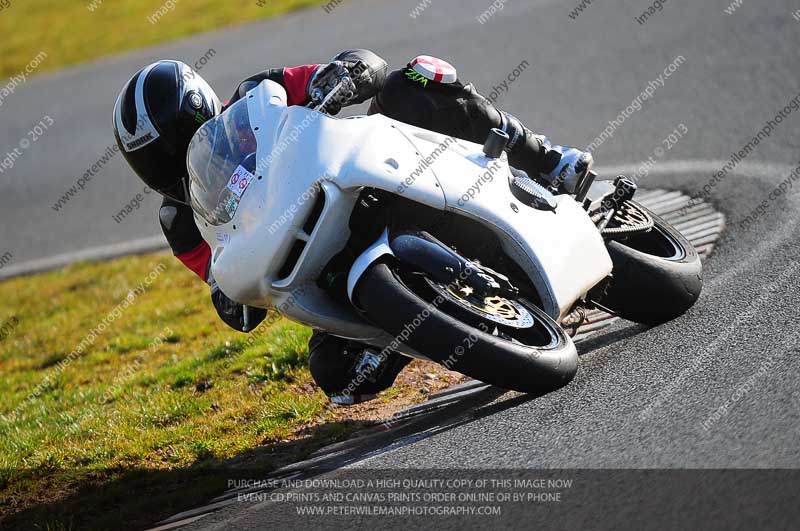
350	373
560	166
564	167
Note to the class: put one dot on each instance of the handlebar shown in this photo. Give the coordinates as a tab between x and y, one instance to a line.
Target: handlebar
340	93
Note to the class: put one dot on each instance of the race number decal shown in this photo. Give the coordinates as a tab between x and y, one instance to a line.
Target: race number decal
240	180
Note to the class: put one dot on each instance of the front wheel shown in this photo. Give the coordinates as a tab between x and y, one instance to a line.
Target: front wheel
508	343
657	275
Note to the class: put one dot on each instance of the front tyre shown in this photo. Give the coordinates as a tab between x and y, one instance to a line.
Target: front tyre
657	275
508	343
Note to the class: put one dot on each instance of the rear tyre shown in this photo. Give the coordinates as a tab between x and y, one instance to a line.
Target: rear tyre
513	344
657	275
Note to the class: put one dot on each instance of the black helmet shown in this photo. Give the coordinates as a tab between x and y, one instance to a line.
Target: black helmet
155	117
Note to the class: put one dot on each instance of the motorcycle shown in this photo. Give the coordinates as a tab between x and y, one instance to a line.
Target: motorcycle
411	241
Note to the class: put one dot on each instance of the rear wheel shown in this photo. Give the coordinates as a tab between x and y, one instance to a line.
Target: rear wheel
657	275
506	342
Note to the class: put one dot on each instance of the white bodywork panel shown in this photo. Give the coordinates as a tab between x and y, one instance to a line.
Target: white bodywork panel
562	251
302	153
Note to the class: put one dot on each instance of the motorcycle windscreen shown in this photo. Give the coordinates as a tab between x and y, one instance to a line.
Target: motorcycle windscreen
222	162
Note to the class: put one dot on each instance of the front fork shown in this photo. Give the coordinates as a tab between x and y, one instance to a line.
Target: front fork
428	255
423	251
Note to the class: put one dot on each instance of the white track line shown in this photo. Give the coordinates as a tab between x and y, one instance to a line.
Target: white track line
753	169
92	254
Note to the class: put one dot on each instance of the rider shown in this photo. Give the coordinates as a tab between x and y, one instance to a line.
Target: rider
164	104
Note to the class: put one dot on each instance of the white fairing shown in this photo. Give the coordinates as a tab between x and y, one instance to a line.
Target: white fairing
562	251
302	153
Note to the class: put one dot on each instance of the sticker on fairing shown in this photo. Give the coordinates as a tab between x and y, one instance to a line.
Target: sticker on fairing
240	180
231	205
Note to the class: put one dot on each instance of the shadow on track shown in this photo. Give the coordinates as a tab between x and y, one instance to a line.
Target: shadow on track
137	498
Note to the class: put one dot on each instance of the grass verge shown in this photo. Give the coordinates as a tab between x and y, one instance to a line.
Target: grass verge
125	399
74	31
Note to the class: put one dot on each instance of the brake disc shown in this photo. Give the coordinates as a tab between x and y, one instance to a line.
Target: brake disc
494	308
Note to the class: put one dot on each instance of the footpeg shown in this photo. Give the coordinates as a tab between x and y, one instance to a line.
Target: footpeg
624	191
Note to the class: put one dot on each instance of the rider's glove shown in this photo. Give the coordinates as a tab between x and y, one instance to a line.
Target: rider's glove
239	317
328	76
565	166
324	79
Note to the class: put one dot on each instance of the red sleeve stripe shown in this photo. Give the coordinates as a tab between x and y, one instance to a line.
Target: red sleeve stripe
295	80
197	259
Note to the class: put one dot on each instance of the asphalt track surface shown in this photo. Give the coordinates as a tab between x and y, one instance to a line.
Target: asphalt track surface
642	398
